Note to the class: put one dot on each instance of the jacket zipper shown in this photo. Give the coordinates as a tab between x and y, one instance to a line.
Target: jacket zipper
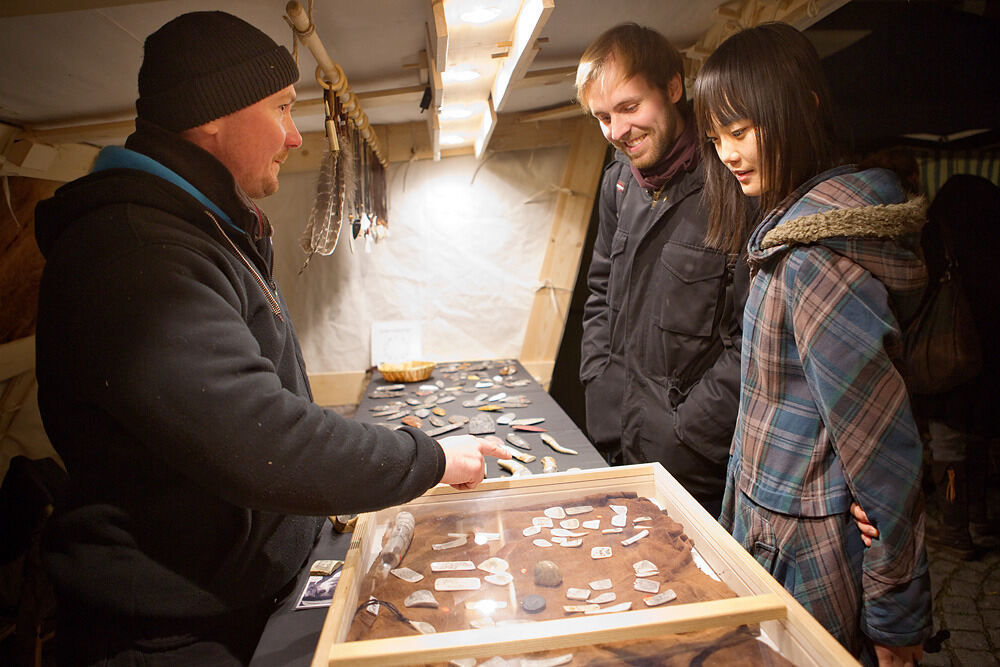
271	300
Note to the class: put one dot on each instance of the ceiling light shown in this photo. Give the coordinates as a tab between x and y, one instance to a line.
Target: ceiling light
454	112
452	139
480	15
456	75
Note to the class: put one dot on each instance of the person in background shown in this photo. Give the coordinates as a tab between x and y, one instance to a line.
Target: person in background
962	429
824	417
661	326
171	380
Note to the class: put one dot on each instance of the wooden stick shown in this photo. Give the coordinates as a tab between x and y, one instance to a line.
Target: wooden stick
306	32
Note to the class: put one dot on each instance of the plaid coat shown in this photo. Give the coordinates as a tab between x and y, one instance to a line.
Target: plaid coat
824	413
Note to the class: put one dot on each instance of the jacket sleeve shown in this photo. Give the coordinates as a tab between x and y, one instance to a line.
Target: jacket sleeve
595	347
842	320
184	375
707	416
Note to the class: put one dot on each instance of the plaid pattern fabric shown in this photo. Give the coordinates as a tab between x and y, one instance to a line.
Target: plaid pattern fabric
825	417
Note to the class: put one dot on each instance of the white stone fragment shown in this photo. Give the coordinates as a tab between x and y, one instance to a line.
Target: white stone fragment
593	524
452	565
457	584
635	538
555	513
661	598
603	598
621	606
542	521
646	585
460	539
609	531
580	594
600	552
499	578
645	568
570	524
531	530
619	509
619	520
579	509
600	584
578	609
494	565
406	574
541	542
571	543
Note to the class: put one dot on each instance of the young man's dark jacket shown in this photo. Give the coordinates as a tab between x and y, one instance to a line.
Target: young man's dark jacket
172	384
661	332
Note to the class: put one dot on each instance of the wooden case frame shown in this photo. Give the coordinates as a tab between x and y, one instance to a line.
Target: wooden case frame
795	633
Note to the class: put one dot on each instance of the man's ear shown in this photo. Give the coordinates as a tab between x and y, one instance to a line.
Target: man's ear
675	89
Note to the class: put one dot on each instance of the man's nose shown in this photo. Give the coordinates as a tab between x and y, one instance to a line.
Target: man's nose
619	128
292	137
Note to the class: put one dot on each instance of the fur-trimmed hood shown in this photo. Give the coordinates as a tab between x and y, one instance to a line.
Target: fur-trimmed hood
863	215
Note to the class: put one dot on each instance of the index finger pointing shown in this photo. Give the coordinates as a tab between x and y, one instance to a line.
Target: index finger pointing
493	446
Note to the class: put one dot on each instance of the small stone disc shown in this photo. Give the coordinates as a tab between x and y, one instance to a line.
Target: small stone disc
533	604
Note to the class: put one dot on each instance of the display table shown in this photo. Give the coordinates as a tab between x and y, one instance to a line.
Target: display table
291	635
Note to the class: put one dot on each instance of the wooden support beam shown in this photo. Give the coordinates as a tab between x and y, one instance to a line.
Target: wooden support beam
550	306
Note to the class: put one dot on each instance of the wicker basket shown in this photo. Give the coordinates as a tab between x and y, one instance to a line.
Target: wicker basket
408	371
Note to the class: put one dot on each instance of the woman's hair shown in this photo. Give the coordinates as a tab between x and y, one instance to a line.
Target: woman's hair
637	51
771	75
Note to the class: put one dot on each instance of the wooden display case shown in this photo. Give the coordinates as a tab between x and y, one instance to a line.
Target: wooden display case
783	622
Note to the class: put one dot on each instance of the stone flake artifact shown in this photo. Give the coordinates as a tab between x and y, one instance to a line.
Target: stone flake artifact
528	427
579	594
494	565
515	468
457	584
461	420
551	442
499	578
543	521
549	464
421	598
441	430
570	524
600	552
481	424
541	542
555	512
635	538
600	584
578	609
621	606
531	530
406	574
604	598
460	539
593	524
646	585
661	598
452	565
579	509
413	420
506	418
518	441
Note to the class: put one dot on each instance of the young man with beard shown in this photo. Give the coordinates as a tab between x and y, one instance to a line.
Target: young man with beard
171	380
661	329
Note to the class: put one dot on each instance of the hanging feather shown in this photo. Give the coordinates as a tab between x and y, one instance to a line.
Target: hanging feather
323	228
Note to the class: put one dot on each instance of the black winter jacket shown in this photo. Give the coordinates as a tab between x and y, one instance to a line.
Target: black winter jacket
172	384
661	332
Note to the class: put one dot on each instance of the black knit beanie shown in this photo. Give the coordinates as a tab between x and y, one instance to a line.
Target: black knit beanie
205	65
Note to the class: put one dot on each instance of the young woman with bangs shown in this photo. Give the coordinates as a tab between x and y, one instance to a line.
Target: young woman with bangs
825	419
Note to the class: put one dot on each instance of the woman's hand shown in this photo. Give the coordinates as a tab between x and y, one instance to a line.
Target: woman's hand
898	656
868	531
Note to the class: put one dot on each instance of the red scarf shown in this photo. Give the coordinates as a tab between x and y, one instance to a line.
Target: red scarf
682	156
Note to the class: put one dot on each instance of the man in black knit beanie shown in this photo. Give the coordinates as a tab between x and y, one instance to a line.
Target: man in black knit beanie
171	380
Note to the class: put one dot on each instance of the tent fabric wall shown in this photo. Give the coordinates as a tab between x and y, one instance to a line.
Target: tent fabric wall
467	240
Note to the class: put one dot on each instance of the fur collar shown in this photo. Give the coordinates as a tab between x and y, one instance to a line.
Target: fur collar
880	221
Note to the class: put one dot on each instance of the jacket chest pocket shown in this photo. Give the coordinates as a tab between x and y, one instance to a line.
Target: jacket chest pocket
618	276
692	289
